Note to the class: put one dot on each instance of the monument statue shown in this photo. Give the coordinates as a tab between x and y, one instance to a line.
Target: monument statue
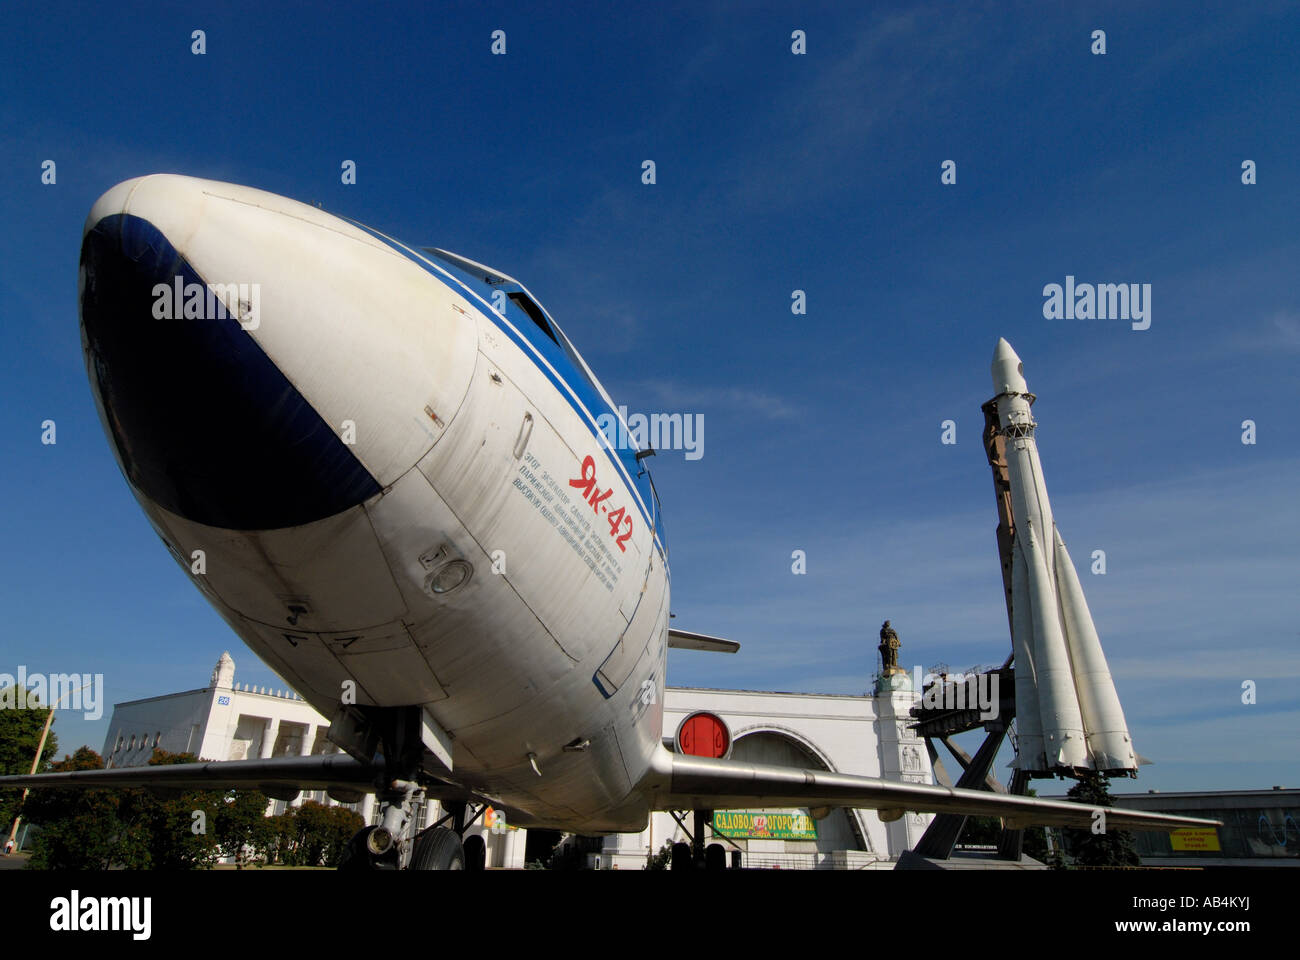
889	644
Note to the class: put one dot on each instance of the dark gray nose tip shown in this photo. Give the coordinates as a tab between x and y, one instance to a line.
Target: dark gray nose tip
202	421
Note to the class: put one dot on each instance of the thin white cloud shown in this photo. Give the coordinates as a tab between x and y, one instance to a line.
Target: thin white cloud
697	398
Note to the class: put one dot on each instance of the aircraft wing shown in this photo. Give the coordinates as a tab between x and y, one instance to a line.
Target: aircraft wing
337	771
682	640
702	783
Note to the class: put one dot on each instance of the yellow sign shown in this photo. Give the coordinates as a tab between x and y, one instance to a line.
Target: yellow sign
759	825
1195	840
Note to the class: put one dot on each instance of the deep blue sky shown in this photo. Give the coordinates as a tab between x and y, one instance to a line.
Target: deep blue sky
775	172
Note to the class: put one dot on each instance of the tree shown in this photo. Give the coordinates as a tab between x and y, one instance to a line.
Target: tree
95	829
181	826
242	829
321	832
660	860
85	829
344	824
1109	848
20	732
311	835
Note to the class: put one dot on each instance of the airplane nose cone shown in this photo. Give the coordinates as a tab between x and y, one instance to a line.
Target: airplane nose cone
203	423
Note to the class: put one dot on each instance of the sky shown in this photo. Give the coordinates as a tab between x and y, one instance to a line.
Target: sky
775	172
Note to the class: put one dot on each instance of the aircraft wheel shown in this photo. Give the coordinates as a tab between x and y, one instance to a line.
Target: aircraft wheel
438	848
683	857
475	854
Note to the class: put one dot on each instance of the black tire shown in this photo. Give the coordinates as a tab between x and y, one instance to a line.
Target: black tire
683	857
715	857
437	848
475	854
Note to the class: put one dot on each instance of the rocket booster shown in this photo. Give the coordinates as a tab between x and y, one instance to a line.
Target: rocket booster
1067	711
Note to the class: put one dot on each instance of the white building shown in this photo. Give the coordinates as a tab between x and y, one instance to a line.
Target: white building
864	735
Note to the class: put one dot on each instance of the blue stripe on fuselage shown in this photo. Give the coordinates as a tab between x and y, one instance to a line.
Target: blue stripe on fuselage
567	378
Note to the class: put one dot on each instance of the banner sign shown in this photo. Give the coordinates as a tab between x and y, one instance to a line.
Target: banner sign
1195	839
760	825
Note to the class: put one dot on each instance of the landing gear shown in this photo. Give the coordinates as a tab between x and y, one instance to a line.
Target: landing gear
370	849
380	847
715	857
695	855
407	737
683	858
438	848
475	854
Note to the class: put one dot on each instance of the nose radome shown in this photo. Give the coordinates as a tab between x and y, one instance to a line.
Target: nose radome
235	338
203	423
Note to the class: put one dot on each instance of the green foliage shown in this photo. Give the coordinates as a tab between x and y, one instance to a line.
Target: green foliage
1035	844
980	831
97	829
178	840
85	829
241	827
1113	848
662	859
311	835
20	732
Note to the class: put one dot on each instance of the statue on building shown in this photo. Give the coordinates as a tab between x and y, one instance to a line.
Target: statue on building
889	644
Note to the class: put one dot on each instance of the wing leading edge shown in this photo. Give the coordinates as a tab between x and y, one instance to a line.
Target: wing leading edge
321	772
684	782
701	783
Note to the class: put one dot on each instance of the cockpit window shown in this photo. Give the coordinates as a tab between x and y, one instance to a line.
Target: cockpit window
529	306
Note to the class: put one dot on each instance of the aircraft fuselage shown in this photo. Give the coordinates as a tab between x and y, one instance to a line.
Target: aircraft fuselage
384	468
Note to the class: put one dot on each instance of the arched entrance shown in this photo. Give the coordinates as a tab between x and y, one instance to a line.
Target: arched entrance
838	831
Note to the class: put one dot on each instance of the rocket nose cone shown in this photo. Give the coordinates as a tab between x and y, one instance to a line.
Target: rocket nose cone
1003	351
1008	371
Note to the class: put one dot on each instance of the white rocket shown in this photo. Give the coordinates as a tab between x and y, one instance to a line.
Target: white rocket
1067	711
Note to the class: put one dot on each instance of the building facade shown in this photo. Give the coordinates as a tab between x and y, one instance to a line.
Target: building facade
1261	828
863	735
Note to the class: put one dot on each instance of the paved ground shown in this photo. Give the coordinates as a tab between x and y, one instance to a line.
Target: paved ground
15	861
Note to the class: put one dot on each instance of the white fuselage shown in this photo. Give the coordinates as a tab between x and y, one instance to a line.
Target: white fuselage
485	450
